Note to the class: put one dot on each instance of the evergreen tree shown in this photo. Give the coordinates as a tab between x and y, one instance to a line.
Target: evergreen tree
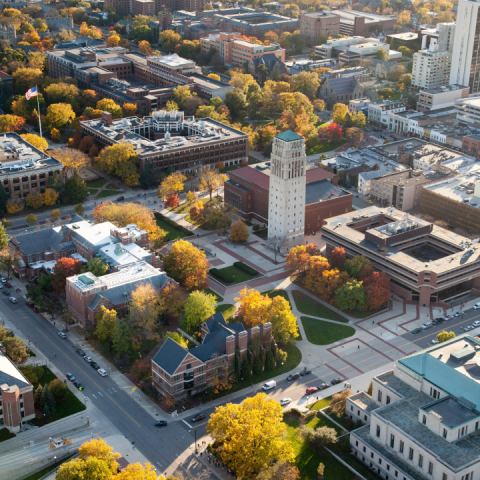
269	361
237	365
38	396
3	198
258	366
46	411
47	399
246	372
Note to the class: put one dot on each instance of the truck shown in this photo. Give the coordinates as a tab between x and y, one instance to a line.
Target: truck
269	385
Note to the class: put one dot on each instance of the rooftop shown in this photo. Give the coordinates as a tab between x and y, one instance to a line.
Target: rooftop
460	188
289	136
10	375
321	191
444	89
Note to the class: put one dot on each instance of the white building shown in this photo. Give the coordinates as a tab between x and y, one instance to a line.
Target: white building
287	189
468	110
422	420
431	68
356	105
379	112
466	55
440	97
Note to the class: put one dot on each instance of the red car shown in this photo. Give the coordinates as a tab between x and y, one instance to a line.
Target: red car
311	390
8	285
29	304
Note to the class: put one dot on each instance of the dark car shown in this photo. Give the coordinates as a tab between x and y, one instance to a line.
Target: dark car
305	372
6	292
198	417
29	304
119	199
293	376
438	321
80	352
160	423
96	366
78	385
35	309
335	381
70	377
417	330
9	285
323	386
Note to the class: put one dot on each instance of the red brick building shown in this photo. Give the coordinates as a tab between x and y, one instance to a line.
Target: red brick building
471	144
16	396
181	373
247	191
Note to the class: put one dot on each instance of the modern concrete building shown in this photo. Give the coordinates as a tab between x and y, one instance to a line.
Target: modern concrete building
314	24
442	35
168	140
431	68
435	98
287	189
466	55
353	22
422	419
468	111
425	263
359	105
16	396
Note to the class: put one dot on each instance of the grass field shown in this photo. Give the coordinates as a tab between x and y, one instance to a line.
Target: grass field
326	147
218	298
324	402
319	332
92	191
172	232
309	306
239	276
227	309
107	193
275	293
97	183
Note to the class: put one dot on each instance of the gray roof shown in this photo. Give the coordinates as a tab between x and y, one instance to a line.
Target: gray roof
342	84
270	61
321	191
10	374
170	356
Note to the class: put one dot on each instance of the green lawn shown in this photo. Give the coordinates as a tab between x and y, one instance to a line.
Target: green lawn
326	147
185	207
92	191
320	332
172	232
275	293
97	183
239	276
218	298
64	408
227	309
111	186
5	434
309	306
320	421
364	314
106	193
324	402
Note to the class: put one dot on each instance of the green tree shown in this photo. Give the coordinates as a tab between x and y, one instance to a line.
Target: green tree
198	307
105	323
245	370
258	366
177	337
75	189
235	101
269	361
96	266
382	55
122	343
3	198
31	219
58	389
319	437
47	398
350	296
356	265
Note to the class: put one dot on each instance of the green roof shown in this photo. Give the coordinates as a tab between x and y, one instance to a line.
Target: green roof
289	136
86	280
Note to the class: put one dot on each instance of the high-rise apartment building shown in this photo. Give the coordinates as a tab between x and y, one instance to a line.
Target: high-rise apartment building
466	46
286	216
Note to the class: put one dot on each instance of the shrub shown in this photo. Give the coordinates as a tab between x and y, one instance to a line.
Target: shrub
256	227
223	276
246	268
58	388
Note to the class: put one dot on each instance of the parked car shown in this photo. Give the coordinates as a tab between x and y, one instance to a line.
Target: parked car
285	401
437	321
35	309
467	329
304	372
62	335
70	377
426	325
323	386
161	423
119	199
198	417
102	372
476	323
448	317
78	385
459	314
435	341
95	365
311	390
8	284
88	359
29	304
4	280
269	385
80	352
12	299
336	381
6	292
476	306
416	330
293	376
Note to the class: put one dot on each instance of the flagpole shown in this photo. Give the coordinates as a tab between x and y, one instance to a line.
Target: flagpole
39	116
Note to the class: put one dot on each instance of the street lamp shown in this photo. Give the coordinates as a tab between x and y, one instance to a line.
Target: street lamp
282	368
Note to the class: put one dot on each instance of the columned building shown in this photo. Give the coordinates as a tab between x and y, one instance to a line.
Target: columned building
287	189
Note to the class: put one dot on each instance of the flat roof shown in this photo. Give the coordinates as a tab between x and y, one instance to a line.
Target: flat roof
460	188
321	191
444	89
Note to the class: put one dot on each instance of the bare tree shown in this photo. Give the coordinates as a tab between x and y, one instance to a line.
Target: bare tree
276	244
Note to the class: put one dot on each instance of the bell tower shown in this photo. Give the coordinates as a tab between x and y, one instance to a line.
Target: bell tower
286	210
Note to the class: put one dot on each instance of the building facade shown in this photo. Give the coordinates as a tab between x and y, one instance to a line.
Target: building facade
379	112
431	68
287	189
312	25
440	97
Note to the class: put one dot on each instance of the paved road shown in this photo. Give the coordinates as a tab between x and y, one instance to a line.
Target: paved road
456	325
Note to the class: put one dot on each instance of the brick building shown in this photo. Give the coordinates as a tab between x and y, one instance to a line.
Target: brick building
248	190
471	144
16	396
136	7
86	293
182	373
312	25
39	251
169	140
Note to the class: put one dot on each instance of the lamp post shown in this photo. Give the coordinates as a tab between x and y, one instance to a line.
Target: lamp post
196	451
282	368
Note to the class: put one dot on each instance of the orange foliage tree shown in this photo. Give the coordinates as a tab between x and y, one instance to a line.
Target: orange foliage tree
172	201
316	266
338	258
197	211
377	290
238	232
64	268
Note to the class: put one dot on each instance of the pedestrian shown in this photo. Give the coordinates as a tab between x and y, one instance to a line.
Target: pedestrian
53	323
54	354
373	321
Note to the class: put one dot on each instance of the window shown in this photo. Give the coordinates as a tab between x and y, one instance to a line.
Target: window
444	433
379	395
430	468
401	446
410	453
356	443
351	408
392	440
388	399
476	425
424	420
420	460
364	449
444	476
371	455
378	430
379	461
396	473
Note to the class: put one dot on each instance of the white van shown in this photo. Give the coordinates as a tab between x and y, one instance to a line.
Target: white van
102	372
269	385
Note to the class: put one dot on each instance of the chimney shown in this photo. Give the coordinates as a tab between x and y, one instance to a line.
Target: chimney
107	118
242	342
230	344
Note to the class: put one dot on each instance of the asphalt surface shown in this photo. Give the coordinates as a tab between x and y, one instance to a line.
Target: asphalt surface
456	325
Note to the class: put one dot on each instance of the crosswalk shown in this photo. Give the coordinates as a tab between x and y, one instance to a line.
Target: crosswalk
109	390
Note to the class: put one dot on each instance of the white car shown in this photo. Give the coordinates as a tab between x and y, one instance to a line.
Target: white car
4	280
62	335
476	323
285	401
426	325
476	306
87	359
435	341
12	299
459	314
102	372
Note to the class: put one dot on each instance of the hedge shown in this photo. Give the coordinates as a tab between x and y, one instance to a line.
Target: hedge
223	276
173	224
246	268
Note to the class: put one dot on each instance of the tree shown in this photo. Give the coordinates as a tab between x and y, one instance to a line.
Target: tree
191	196
269	361
58	389
91	468
253	308
180	94
169	39
218	216
55	215
129	109
59	115
10	123
119	159
404	17
382	55
214	76
26	78
444	336
284	323
15	206
339	401
377	289
105	323
236	104
178	338
36	141
198	308
187	265
34	200
396	72
50	196
144	47
47	399
298	258
98	448
355	266
240	80
15	349
31	219
171	105
72	159
196	212
321	470
173	183
407	79
137	471
172	201
319	437
3	199
172	299
405	51
210	180
258	427
239	232
96	266
75	189
319	105
354	134
108	105
339	113
78	208
64	268
334	132
55	134
314	274
305	82
350	296
338	258
113	40
63	93
370	388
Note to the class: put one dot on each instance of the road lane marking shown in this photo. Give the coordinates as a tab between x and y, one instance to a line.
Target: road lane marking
158	463
114	390
186	423
453	326
100	394
93	395
129	416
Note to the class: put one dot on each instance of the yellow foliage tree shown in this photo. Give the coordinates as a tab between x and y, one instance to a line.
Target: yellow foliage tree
105	322
129	109
113	40
214	76
339	112
59	115
99	448
72	159
174	183
119	159
253	309
50	196
144	47
15	206
108	105
284	322
36	141
145	307
443	336
239	232
210	180
55	134
252	434
34	200
191	196
137	471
